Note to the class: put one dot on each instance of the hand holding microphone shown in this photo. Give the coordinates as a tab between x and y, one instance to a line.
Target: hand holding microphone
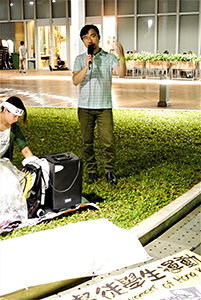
90	52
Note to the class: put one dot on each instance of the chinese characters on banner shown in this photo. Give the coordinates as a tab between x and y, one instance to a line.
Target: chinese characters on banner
150	281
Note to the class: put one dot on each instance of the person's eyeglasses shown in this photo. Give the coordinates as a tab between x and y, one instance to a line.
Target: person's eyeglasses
92	37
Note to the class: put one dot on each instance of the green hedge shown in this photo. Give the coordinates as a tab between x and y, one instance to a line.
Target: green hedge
144	56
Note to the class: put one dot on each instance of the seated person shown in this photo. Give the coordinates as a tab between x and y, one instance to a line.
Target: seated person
60	65
10	132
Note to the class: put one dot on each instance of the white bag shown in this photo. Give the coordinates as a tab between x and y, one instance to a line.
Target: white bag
12	201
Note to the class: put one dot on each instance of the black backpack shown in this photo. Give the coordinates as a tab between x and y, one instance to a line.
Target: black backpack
36	190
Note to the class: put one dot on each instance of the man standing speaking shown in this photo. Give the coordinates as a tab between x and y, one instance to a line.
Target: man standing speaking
92	70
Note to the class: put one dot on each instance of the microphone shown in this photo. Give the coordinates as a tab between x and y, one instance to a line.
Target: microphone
91	52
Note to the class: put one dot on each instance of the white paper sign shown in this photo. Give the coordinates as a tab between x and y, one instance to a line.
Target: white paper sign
73	251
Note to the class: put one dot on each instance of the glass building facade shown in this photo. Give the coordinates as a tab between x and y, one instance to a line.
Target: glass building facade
141	25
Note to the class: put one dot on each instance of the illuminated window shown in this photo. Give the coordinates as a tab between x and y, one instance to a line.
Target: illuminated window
15	10
58	8
4	10
28	9
109	34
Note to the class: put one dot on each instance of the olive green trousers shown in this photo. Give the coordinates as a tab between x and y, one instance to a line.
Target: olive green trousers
103	118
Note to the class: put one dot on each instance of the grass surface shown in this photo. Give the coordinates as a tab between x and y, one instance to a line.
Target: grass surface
158	159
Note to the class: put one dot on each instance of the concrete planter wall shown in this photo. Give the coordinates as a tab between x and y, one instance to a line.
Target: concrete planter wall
149	64
165	65
161	65
133	64
184	65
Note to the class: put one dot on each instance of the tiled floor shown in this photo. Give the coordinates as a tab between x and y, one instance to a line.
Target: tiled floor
55	89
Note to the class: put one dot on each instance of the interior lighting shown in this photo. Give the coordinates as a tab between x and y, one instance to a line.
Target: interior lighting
31	3
150	23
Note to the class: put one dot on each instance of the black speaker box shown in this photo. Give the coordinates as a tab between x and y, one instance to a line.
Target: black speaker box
65	185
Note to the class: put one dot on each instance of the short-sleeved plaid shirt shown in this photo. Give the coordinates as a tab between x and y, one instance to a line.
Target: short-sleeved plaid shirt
95	89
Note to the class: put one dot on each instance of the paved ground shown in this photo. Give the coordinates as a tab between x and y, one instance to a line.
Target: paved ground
55	89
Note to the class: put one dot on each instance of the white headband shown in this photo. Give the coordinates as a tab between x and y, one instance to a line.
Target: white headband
12	108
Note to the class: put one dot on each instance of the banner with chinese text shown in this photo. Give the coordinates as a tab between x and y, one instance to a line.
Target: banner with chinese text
151	281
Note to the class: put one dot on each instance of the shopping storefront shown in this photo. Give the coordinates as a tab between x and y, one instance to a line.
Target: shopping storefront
50	28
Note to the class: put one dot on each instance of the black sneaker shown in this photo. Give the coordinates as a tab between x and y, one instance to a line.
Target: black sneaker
50	67
111	178
92	177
